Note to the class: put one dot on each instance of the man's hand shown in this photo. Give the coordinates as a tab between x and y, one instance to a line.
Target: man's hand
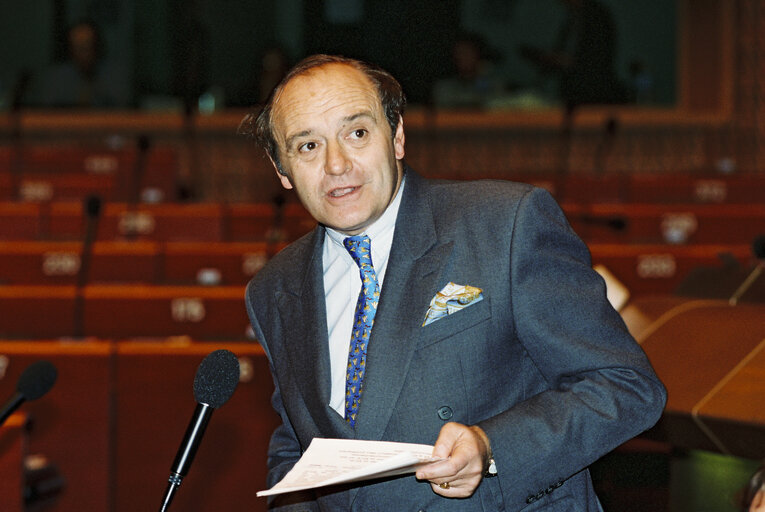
466	451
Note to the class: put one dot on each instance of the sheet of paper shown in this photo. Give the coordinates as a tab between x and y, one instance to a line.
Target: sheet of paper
335	461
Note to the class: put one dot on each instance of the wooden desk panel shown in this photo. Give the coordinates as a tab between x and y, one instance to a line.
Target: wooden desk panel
234	263
732	411
260	222
695	346
13	445
60	263
162	222
70	424
20	221
150	311
37	311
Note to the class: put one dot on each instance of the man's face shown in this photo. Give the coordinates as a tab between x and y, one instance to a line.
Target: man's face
335	147
82	47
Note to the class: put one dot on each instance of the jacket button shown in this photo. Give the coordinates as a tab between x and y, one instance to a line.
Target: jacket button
530	499
445	413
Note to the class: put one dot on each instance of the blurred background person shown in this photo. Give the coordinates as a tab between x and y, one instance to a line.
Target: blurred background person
473	83
584	56
86	79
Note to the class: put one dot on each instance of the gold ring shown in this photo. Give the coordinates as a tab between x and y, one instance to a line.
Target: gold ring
444	485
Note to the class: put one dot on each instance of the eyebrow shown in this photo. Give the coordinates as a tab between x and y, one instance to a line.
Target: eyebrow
291	139
348	119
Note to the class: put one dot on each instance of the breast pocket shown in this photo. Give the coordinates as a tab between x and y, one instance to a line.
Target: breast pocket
455	323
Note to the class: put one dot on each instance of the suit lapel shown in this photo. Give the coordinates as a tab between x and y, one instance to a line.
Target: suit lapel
415	266
301	304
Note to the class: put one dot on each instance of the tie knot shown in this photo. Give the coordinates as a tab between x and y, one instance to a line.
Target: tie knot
359	247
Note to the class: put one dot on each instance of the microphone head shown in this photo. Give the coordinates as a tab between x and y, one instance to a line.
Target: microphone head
758	247
216	378
37	380
93	206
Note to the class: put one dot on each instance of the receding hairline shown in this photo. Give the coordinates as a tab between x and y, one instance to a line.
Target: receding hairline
306	75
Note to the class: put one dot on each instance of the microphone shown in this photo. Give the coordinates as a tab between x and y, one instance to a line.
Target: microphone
758	248
215	381
92	208
34	382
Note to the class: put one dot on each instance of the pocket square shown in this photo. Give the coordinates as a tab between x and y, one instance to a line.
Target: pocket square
452	298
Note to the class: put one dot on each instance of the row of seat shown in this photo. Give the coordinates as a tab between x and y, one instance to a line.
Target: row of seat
205	222
643	268
126	173
187	263
607	222
123	170
109	428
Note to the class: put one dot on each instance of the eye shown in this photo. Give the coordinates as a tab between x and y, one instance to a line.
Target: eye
308	146
359	133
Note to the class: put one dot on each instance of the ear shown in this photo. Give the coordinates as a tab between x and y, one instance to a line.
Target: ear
398	140
286	183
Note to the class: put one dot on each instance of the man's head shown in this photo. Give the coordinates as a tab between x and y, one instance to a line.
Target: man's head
333	130
84	44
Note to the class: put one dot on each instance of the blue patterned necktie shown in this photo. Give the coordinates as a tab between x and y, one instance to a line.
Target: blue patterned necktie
359	248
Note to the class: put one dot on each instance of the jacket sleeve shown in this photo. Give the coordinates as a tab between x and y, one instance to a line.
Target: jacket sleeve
284	448
601	390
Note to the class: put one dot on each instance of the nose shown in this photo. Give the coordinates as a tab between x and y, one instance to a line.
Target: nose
337	161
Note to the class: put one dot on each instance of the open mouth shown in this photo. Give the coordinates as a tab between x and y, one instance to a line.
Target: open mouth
340	192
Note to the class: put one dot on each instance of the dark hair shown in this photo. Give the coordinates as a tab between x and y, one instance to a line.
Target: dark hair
260	124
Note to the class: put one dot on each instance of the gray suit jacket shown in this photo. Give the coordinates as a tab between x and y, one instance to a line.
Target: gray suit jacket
543	363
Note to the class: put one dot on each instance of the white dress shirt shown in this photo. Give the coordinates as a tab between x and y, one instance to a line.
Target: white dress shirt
342	285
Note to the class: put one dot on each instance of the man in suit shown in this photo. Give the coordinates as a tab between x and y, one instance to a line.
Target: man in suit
519	371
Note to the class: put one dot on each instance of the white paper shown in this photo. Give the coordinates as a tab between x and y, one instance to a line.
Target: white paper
335	461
